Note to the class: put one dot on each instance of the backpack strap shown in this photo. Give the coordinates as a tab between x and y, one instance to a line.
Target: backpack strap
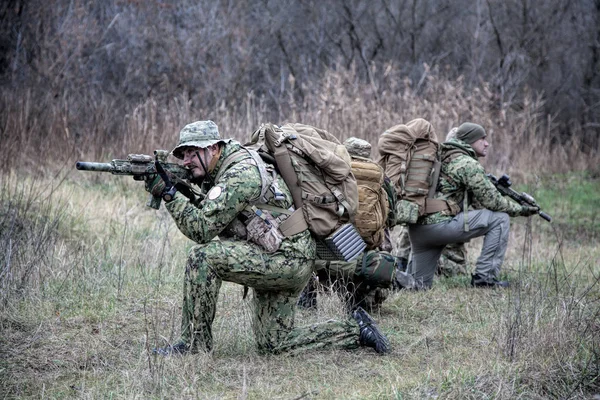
435	205
265	178
286	169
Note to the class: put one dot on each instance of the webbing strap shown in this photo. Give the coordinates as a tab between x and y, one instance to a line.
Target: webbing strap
419	191
435	177
435	205
293	224
233	157
344	202
318	199
284	163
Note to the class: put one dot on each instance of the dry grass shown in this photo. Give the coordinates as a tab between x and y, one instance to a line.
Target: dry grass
108	288
90	278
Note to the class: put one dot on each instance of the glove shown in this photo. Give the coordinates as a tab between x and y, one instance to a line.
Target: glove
155	185
527	211
186	189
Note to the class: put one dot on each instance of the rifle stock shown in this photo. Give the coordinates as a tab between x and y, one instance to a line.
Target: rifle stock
503	185
141	166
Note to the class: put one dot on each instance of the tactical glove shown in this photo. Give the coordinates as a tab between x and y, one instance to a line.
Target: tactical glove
527	211
155	185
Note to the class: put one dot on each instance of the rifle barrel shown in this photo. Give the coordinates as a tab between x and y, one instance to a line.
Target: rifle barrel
94	166
545	216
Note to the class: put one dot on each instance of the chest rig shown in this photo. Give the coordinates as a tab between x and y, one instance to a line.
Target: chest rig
259	222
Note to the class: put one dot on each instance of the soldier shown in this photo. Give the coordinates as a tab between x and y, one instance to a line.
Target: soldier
453	260
251	250
463	181
366	281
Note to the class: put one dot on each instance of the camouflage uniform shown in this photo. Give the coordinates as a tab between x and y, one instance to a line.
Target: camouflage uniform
459	175
275	278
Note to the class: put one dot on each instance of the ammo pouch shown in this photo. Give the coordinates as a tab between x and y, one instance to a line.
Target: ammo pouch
263	229
407	212
376	269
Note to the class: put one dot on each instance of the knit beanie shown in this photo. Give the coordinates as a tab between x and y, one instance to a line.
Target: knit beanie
470	132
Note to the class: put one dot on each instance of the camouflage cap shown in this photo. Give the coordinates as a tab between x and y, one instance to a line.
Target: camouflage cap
197	134
358	147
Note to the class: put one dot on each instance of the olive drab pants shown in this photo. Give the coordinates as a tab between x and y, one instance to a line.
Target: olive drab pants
276	280
428	242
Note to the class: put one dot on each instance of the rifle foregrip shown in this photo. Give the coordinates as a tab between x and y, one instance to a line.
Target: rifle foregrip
545	216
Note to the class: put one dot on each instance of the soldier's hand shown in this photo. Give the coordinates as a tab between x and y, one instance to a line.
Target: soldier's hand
186	189
527	211
155	185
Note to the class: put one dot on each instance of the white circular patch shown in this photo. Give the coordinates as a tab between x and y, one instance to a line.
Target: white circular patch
214	192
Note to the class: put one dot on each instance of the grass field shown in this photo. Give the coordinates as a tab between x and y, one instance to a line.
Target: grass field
91	280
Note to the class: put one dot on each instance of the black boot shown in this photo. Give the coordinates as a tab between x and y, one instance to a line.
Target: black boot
370	335
177	349
479	281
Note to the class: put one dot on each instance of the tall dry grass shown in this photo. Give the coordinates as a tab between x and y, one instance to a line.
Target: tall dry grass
43	135
90	279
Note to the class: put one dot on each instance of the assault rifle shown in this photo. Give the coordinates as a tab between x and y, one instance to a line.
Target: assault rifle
503	185
142	167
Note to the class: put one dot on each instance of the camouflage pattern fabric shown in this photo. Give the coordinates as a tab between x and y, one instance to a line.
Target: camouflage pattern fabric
358	147
400	242
453	260
465	172
276	278
197	134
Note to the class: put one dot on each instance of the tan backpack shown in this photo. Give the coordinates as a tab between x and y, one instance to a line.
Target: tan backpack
409	156
316	168
373	207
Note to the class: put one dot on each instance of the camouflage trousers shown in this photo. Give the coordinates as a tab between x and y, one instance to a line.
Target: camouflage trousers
452	262
276	280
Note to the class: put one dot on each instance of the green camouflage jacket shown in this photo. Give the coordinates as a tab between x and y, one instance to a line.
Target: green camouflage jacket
464	173
220	213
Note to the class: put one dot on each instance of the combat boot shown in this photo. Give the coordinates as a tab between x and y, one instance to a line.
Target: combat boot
479	281
177	349
370	335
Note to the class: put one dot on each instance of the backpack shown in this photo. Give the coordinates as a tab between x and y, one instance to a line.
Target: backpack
410	158
373	206
316	168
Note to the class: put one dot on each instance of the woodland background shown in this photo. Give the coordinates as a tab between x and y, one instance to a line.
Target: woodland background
78	73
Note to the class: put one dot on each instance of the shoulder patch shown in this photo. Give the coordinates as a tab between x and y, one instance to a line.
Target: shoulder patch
214	192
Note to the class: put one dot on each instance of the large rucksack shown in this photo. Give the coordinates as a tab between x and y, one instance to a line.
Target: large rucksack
316	168
409	156
373	206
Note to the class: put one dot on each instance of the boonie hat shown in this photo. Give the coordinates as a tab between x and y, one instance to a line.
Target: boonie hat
198	134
